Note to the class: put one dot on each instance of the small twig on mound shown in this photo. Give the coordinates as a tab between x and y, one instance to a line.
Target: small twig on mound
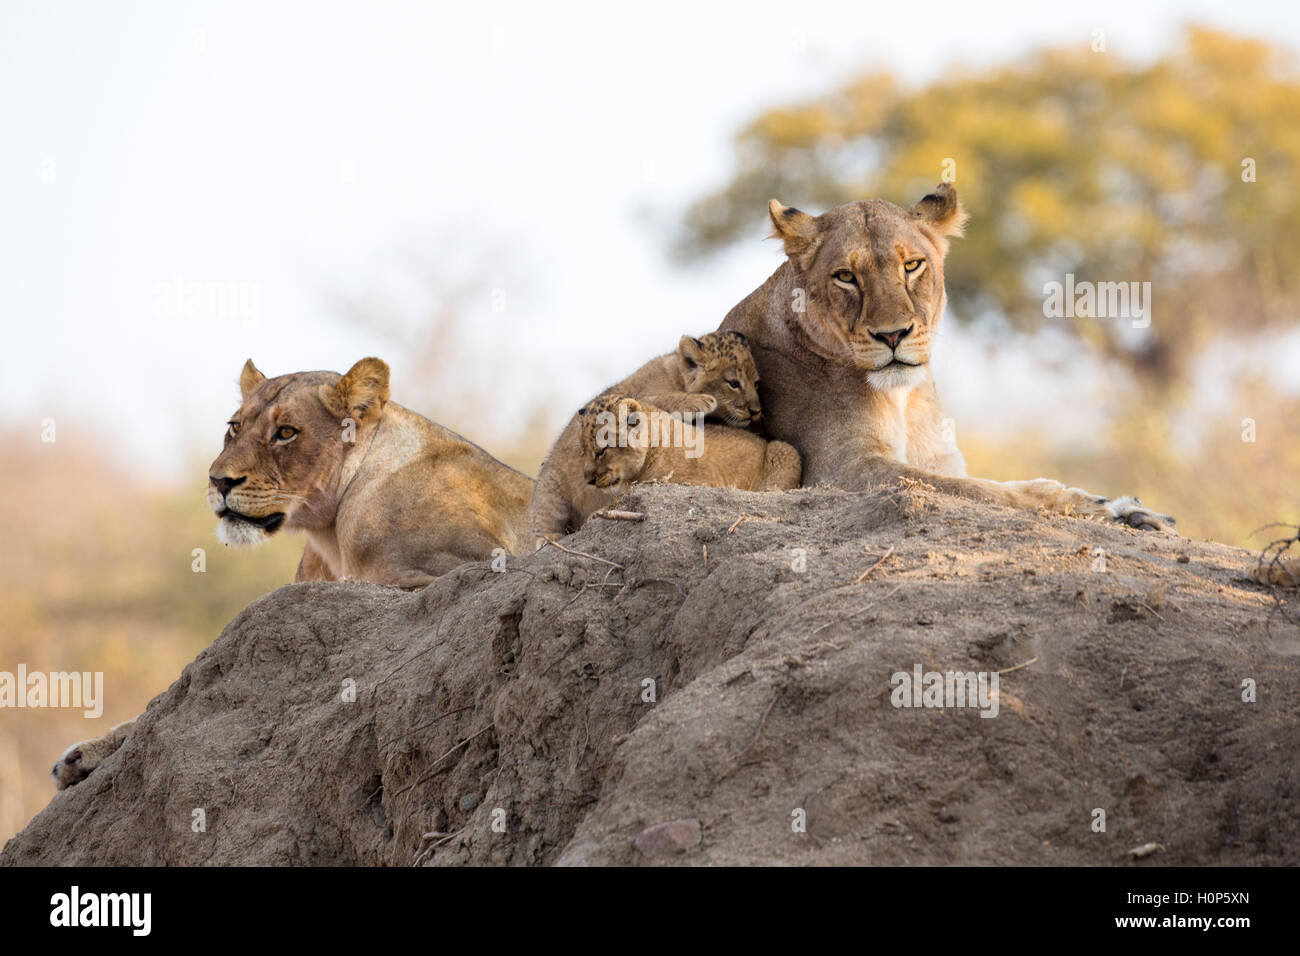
418	654
449	836
433	846
738	522
747	517
449	713
883	558
434	768
583	554
641	582
619	515
593	586
864	607
735	763
1145	605
1018	666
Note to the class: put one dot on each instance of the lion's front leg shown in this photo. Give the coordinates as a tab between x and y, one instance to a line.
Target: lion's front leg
313	567
684	403
81	758
1041	493
1053	496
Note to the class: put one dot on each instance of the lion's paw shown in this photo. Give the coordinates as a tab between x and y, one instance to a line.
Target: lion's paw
1130	511
73	767
702	404
80	759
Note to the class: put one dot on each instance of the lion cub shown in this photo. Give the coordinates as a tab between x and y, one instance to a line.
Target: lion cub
713	375
625	440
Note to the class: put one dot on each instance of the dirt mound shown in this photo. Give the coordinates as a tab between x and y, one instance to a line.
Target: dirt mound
714	685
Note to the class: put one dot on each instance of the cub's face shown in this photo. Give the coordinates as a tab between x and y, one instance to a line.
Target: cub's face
872	275
284	447
615	440
720	364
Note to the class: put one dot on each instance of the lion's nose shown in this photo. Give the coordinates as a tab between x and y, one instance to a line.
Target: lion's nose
893	338
223	485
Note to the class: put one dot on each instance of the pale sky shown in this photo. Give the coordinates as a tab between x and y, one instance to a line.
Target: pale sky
270	157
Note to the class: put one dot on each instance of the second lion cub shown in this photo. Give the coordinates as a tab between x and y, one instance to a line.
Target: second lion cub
713	375
625	440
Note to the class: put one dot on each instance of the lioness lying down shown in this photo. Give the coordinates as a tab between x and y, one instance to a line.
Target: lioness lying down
624	441
841	334
384	495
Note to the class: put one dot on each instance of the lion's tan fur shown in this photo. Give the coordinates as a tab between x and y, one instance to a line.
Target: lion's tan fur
383	494
712	455
827	383
695	378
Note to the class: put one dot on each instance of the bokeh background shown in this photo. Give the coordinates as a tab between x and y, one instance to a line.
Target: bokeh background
515	204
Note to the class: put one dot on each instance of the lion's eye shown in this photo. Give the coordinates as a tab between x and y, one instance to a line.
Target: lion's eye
734	384
845	276
285	433
233	428
911	265
600	452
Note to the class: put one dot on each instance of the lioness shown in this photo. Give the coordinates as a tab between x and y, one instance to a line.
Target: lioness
841	334
383	494
624	440
713	374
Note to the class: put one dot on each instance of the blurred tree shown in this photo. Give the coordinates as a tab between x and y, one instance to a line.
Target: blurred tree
443	307
1070	162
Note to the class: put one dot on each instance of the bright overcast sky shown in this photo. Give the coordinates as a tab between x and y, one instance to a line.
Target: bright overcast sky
291	151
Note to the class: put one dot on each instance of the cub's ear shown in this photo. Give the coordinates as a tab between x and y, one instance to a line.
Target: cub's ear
942	212
691	352
250	380
361	393
800	232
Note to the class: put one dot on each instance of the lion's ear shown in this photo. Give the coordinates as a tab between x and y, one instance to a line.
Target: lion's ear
942	212
691	352
250	380
360	393
798	231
